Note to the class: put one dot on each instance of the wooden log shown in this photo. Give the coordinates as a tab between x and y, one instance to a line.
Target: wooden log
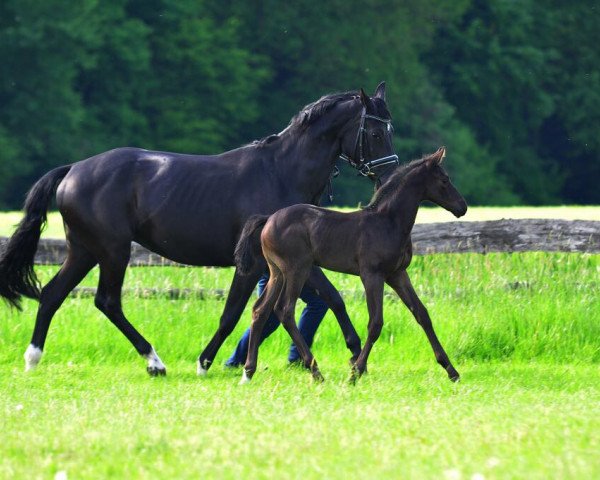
453	237
507	236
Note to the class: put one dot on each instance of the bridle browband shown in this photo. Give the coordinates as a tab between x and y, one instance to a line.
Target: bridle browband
366	168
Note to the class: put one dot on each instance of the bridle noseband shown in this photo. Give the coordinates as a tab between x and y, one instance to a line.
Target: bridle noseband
366	168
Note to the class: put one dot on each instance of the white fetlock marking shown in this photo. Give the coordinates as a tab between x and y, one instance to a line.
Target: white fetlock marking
32	356
154	361
201	372
245	379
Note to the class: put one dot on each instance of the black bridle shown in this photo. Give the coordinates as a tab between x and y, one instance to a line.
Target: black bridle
366	168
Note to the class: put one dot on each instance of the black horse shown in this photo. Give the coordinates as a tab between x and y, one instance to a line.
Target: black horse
296	238
190	209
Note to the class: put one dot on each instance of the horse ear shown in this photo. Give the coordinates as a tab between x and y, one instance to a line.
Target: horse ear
380	91
437	157
364	98
440	155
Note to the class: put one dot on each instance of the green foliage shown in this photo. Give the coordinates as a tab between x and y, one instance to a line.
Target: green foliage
510	88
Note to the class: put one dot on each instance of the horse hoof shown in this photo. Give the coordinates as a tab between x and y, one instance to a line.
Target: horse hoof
32	356
317	377
455	378
245	378
202	367
156	372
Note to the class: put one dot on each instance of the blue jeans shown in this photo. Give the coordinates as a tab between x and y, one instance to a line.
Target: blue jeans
310	319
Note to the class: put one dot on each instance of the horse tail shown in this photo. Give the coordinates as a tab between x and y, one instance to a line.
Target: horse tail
17	277
248	248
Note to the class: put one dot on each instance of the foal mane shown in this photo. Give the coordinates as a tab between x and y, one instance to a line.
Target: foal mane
394	182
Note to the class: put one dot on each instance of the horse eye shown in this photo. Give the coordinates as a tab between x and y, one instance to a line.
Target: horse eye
376	135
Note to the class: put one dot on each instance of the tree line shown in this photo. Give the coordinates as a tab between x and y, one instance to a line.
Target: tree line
511	88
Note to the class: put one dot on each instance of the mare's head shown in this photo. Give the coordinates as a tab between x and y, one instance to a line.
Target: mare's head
439	188
368	141
358	126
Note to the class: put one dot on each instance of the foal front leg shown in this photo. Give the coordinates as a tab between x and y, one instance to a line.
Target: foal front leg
373	283
403	287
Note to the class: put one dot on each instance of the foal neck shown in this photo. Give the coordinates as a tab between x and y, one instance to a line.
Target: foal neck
404	193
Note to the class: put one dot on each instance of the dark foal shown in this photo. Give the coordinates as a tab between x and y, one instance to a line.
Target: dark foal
190	209
296	238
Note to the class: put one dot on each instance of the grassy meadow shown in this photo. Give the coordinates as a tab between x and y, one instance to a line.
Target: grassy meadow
522	329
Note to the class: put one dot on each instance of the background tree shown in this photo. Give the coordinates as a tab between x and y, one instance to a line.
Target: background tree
513	89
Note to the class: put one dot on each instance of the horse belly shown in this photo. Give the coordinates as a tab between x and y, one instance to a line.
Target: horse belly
191	246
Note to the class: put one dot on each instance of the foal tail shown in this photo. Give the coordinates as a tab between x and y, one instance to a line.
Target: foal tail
17	277
248	248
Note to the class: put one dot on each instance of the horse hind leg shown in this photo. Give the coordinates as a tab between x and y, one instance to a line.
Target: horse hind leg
77	264
108	301
328	293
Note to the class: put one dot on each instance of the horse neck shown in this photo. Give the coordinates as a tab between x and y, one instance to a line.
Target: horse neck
306	163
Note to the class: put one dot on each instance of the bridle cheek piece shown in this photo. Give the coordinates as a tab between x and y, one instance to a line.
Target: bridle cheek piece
366	168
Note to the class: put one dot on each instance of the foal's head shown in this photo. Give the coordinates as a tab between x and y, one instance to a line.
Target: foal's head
439	188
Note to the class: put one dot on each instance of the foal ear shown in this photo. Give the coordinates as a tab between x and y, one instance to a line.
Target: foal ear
380	91
437	157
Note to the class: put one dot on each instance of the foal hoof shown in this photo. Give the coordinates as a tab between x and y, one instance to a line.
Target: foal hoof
453	374
317	377
352	363
156	371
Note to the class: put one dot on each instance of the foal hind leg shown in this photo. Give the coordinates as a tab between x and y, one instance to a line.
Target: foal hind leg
77	264
260	314
403	287
334	301
285	312
237	298
108	301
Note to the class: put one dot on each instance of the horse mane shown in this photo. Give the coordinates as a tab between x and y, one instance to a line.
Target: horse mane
394	182
309	114
315	110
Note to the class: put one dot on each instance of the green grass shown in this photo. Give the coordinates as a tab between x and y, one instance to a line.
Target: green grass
8	220
522	329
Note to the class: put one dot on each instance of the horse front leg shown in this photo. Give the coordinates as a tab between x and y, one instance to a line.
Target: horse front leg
402	285
373	283
237	298
329	294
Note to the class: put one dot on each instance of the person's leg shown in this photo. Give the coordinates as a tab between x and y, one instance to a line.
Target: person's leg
238	358
310	319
